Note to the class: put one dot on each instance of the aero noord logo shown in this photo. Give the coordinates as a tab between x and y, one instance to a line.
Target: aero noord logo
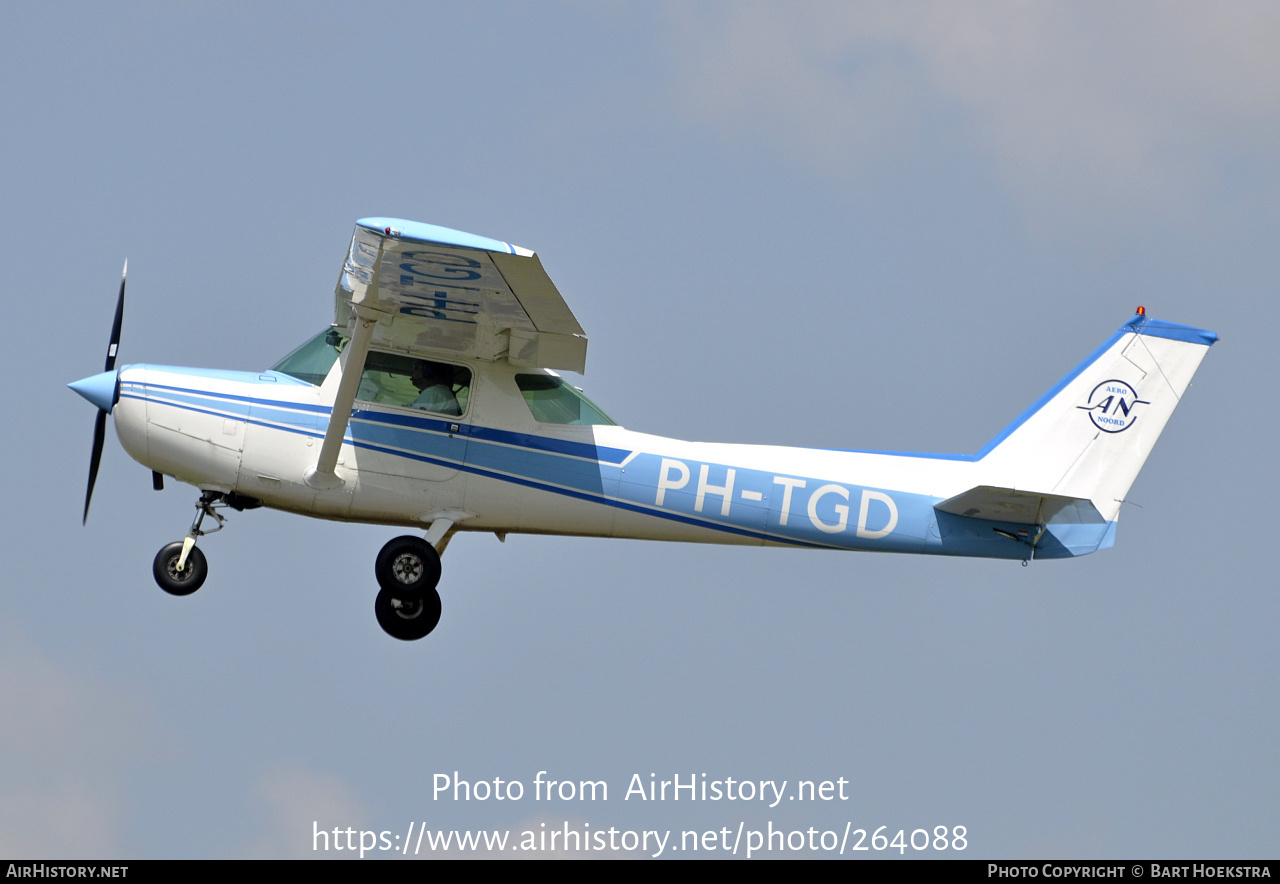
1112	406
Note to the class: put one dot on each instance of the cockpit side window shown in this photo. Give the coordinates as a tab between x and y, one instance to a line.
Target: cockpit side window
395	379
553	401
311	362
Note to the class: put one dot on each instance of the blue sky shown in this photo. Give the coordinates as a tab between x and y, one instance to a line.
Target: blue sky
833	226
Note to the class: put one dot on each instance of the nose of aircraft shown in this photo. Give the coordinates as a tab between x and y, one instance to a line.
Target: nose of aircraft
100	389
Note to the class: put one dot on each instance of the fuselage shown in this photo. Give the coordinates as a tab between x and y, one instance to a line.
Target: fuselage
431	402
497	468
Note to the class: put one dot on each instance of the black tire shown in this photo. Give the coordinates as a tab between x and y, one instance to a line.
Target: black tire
408	564
175	582
407	619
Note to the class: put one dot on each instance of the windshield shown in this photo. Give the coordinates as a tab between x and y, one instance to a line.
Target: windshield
311	362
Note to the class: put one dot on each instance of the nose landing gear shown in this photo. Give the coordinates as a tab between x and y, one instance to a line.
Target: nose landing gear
180	568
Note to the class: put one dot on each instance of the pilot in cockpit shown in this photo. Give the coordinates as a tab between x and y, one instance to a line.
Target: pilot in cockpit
436	391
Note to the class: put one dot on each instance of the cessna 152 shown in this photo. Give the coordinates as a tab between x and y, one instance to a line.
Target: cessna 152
431	402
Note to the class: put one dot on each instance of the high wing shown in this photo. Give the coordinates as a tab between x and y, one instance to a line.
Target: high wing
436	289
423	289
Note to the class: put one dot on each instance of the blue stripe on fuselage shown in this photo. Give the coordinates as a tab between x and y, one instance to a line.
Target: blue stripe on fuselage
817	513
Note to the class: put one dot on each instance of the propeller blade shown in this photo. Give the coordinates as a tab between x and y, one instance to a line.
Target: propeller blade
114	344
99	435
100	394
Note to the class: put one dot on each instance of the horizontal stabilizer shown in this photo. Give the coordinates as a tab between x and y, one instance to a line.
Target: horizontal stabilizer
1021	507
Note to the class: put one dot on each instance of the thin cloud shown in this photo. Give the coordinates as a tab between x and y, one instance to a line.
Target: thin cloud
295	803
66	740
1129	109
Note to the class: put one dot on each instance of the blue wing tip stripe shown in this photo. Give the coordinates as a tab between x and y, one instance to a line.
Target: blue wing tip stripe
417	231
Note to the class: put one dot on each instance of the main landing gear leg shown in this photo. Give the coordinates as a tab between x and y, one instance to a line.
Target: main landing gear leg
408	569
180	568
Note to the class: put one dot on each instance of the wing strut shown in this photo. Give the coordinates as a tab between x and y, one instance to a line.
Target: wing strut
322	475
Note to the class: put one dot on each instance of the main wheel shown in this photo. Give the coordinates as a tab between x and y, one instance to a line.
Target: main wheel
410	617
408	563
186	581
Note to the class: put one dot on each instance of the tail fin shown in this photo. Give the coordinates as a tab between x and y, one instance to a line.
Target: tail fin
1088	437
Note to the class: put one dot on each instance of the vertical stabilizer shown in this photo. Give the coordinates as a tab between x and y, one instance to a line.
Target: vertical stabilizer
1090	435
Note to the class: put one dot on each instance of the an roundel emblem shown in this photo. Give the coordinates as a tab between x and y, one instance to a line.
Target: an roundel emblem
1113	406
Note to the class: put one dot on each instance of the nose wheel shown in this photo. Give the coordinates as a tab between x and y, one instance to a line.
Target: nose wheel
180	567
407	606
180	580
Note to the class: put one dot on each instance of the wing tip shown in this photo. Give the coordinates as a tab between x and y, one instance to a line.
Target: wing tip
420	231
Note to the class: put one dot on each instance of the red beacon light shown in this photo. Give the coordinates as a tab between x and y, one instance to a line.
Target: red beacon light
1142	311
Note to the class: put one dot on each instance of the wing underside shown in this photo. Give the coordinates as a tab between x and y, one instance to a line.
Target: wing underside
440	290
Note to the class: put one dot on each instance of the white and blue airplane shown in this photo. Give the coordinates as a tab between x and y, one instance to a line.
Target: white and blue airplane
432	402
